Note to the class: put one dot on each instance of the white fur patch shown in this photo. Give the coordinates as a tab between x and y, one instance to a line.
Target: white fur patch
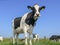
37	8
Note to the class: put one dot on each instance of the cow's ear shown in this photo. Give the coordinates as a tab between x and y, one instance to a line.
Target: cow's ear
42	8
29	7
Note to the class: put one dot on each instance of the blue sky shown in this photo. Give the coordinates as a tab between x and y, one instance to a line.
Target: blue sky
48	24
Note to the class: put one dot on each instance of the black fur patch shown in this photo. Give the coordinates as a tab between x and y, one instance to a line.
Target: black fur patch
30	20
17	22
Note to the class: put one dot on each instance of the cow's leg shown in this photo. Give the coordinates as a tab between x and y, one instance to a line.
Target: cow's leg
38	39
13	38
30	36
25	33
13	32
17	39
26	43
34	39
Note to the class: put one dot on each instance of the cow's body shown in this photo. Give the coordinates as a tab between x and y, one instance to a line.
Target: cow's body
55	37
26	23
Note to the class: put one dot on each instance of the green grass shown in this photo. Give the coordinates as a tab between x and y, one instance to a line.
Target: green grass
41	42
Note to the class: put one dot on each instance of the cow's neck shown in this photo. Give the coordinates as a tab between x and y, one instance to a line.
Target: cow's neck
30	20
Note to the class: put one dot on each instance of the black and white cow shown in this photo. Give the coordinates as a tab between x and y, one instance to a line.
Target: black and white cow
55	37
1	38
26	23
36	37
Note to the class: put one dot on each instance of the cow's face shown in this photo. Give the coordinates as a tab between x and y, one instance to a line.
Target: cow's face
36	10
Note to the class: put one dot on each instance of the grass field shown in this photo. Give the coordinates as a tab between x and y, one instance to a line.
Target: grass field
41	42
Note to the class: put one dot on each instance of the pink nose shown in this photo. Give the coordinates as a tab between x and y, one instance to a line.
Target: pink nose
37	14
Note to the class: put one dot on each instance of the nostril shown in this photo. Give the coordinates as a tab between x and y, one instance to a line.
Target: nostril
37	14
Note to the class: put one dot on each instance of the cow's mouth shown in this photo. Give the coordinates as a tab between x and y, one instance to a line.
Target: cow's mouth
36	17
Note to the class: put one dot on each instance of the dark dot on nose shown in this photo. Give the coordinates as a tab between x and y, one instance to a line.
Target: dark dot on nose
37	14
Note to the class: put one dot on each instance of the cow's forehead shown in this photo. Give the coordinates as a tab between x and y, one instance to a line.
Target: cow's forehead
36	6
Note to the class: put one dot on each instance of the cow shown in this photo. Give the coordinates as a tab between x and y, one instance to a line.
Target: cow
55	37
36	37
26	23
1	38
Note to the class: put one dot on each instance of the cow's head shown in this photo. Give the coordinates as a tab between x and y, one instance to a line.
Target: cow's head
36	10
